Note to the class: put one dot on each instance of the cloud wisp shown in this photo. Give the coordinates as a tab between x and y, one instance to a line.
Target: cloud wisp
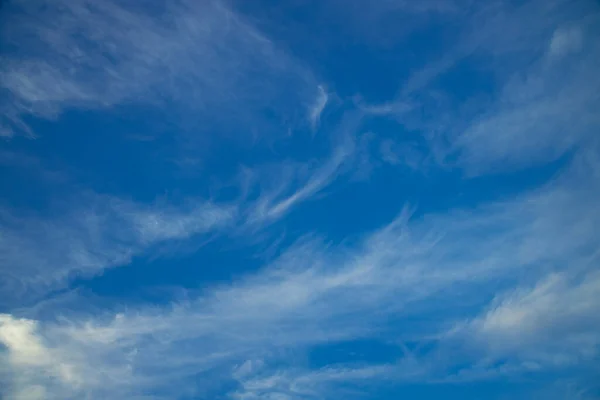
480	290
442	265
297	182
40	254
317	108
201	57
540	93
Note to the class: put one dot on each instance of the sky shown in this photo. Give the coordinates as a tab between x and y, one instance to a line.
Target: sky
300	199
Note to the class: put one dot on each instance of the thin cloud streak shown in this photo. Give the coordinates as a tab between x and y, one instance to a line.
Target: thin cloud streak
316	294
317	109
40	254
544	92
503	289
291	188
202	57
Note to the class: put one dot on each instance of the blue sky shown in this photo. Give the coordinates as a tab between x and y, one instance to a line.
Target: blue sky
299	199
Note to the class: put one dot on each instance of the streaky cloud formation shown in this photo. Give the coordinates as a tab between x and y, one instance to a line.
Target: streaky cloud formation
546	97
100	232
305	200
540	115
276	200
42	254
318	107
200	56
311	296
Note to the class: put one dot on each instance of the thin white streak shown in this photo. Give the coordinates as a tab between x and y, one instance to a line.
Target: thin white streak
87	55
43	254
276	201
317	109
316	294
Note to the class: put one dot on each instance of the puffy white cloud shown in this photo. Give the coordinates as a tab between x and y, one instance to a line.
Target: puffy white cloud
18	335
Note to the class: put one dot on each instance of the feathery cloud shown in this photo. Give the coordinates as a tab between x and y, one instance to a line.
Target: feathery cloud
540	93
40	254
317	294
499	289
200	57
318	107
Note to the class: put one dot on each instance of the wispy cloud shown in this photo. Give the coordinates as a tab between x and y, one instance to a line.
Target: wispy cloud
539	116
302	383
317	108
443	265
43	253
550	323
539	59
565	41
500	289
84	55
290	186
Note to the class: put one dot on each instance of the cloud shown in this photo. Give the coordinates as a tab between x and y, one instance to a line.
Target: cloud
531	99
501	289
544	105
27	353
199	57
302	383
565	41
316	293
396	154
552	322
23	346
539	117
318	107
290	186
40	253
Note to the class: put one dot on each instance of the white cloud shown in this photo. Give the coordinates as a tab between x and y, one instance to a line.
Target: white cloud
303	383
550	325
201	56
540	95
553	322
18	335
539	116
43	253
314	293
396	154
291	186
565	41
318	107
27	354
442	266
